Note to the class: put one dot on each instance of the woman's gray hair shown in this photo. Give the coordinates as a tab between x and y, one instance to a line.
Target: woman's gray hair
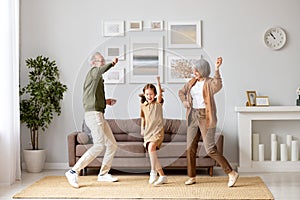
203	67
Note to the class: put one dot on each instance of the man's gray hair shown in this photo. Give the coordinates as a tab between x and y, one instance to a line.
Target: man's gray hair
93	57
203	67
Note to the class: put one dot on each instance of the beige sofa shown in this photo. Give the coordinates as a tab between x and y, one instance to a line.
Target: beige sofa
132	155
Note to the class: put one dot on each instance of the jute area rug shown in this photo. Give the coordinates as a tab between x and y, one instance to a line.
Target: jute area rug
137	187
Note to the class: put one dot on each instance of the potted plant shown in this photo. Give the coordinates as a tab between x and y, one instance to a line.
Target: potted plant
42	97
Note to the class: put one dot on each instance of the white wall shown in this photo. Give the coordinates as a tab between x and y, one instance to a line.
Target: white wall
69	30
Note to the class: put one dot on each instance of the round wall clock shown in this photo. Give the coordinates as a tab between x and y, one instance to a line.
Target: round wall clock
275	38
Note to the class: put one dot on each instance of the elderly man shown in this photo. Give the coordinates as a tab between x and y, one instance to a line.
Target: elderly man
94	103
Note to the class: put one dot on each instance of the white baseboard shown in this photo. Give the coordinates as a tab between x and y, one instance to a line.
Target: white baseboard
52	166
56	166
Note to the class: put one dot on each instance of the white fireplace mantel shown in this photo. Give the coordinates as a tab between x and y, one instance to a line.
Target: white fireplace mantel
245	117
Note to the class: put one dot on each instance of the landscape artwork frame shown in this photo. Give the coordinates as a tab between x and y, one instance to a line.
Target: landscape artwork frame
146	59
184	34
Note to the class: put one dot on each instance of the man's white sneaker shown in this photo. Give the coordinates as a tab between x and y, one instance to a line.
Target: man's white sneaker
161	180
107	178
153	175
72	177
233	176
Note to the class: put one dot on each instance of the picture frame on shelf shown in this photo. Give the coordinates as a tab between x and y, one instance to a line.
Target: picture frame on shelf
156	25
114	51
146	59
180	69
262	101
251	97
113	28
135	25
186	34
114	76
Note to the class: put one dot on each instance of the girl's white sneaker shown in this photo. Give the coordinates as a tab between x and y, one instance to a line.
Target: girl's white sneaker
161	180
153	175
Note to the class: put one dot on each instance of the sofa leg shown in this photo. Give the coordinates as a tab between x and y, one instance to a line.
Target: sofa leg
211	170
84	171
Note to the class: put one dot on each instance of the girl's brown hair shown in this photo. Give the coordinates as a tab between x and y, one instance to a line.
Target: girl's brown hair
148	86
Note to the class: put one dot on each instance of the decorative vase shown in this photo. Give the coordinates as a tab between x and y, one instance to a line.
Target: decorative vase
298	101
34	160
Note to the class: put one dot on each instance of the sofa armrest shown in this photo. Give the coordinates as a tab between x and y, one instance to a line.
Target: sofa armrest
219	142
72	142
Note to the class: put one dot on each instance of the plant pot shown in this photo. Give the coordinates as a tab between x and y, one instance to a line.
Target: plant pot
34	160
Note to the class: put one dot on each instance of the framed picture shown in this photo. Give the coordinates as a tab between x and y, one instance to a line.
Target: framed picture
262	101
113	28
180	69
135	26
114	76
251	96
184	34
156	25
146	59
114	51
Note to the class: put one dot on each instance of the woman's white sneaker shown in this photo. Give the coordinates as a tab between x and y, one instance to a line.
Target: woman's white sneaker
233	176
191	181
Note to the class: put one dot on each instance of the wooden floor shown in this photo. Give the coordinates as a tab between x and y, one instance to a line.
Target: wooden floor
284	186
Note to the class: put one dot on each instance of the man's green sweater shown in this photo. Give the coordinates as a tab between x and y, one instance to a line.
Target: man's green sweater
93	89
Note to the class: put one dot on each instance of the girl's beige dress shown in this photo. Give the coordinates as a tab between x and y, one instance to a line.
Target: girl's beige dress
154	125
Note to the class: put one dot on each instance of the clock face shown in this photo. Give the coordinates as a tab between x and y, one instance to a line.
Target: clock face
275	38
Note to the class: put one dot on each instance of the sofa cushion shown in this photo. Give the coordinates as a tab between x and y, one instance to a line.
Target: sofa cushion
132	149
123	130
86	130
172	149
125	125
125	149
128	137
81	149
175	126
172	137
83	138
119	125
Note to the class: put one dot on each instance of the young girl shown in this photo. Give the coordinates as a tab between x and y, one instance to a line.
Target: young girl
152	128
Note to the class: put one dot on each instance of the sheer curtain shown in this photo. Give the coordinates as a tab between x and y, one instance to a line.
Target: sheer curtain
10	169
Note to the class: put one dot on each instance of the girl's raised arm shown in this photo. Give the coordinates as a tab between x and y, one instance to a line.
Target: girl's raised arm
159	91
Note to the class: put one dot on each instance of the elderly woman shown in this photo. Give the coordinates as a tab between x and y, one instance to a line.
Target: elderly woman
197	96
